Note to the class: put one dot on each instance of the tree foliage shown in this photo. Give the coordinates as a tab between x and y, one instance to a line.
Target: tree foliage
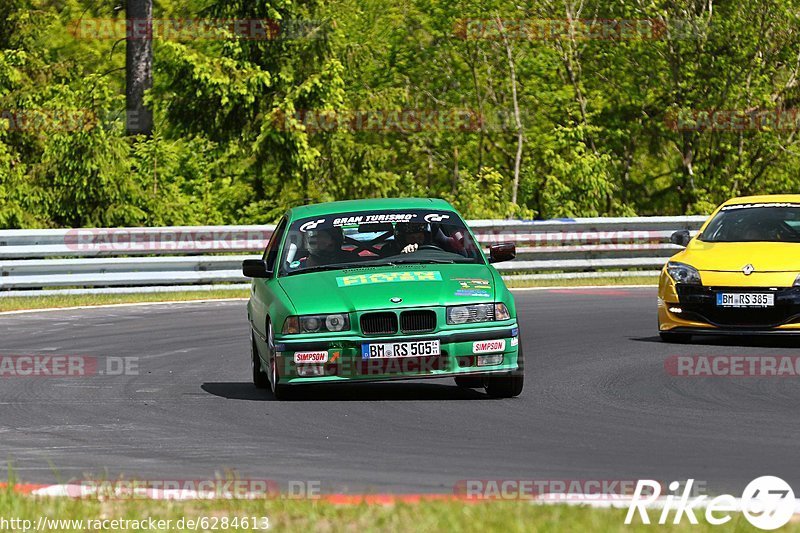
243	127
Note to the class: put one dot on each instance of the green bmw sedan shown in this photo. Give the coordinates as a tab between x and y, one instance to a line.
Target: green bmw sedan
383	289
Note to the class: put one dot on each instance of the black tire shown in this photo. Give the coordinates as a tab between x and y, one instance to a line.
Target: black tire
279	391
677	338
260	378
508	385
469	382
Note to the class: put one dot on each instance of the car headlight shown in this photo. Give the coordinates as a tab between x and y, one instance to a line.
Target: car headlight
683	273
317	323
465	314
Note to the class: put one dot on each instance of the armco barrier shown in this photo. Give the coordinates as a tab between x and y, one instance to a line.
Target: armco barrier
206	257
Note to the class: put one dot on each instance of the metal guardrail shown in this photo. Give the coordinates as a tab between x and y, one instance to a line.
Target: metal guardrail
204	257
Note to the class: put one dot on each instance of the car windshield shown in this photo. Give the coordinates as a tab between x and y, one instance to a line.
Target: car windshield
377	238
757	222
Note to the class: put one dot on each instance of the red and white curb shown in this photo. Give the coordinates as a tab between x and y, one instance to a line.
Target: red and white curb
589	500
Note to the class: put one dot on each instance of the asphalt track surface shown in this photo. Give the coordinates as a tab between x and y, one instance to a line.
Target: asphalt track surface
597	405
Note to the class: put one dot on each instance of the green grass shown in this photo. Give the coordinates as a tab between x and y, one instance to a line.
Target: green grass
588	282
10	303
308	515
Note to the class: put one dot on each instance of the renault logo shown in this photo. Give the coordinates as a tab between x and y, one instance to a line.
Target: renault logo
748	269
396	300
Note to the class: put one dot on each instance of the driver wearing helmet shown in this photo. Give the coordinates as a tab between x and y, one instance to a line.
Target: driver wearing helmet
324	247
409	236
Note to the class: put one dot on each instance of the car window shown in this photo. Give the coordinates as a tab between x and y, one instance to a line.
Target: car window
375	238
271	251
756	222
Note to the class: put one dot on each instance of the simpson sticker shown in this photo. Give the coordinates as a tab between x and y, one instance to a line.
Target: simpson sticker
311	357
489	346
388	277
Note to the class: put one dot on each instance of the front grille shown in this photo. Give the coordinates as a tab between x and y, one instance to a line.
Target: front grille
417	321
699	303
379	323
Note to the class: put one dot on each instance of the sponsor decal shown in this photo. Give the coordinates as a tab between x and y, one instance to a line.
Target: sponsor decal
469	292
473	283
311	357
373	219
311	225
335	356
514	341
752	206
489	346
388	277
433	217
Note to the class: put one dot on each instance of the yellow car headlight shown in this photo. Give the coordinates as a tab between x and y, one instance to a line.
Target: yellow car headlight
683	273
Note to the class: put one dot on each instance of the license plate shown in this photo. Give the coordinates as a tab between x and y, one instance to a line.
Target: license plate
745	299
400	349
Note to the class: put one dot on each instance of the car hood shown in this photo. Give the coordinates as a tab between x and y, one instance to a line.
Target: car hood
373	288
733	256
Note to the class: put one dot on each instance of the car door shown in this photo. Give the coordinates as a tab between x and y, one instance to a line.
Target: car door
261	290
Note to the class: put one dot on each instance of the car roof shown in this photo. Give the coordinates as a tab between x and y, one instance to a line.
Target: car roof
768	198
371	204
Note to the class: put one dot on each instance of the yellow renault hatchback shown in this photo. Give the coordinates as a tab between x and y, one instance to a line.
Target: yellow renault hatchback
739	275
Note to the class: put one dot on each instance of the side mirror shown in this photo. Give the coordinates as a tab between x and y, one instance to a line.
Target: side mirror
504	251
255	268
680	237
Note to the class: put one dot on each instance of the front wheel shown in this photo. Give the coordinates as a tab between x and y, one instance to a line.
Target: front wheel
508	385
260	378
280	391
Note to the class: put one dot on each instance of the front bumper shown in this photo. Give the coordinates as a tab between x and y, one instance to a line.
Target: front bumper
693	309
345	361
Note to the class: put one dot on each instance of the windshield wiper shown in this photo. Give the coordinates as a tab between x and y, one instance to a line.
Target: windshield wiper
321	268
422	261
